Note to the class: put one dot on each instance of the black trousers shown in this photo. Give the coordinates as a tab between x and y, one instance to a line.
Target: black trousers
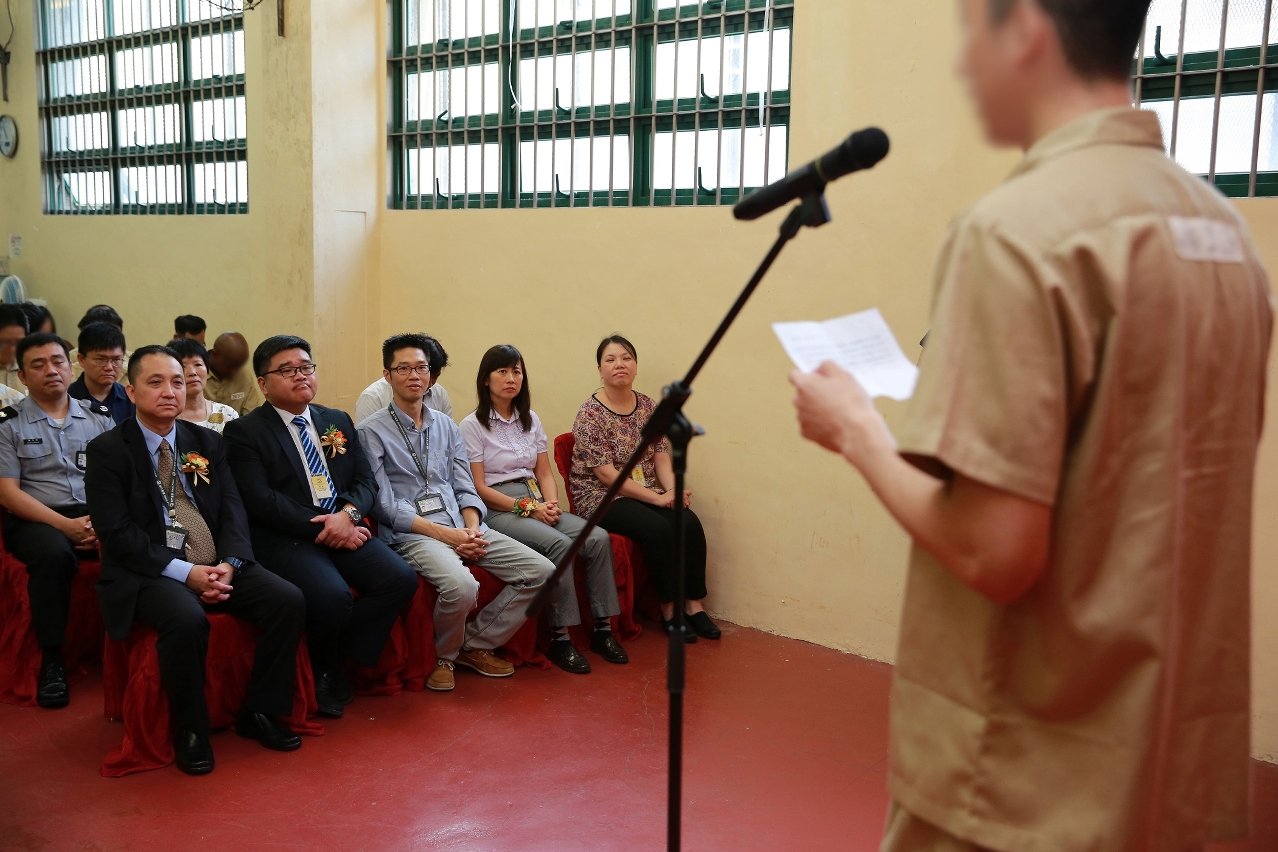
52	564
653	529
337	623
178	615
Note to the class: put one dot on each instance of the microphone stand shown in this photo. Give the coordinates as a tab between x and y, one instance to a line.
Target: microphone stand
668	420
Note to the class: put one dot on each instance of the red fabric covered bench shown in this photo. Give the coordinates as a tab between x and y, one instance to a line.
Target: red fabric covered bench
635	591
132	691
19	650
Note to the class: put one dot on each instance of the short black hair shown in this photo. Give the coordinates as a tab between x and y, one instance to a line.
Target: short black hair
99	337
620	341
405	341
436	355
36	316
35	341
101	313
272	346
189	324
14	315
188	347
135	360
1099	36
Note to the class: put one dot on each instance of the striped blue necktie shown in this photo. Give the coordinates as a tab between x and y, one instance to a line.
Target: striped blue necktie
315	463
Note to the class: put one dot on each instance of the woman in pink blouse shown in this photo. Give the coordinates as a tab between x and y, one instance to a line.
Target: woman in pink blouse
609	426
511	468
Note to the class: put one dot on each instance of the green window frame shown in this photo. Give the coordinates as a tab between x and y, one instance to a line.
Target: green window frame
1209	71
142	106
585	103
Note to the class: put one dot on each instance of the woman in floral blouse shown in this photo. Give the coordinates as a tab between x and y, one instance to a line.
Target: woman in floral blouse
511	468
609	426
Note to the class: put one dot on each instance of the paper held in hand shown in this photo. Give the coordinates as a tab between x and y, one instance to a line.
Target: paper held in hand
860	343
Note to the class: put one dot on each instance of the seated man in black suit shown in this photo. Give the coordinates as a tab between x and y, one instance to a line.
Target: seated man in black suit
307	486
175	541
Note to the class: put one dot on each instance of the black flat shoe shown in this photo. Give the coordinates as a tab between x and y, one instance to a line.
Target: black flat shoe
52	691
568	658
342	689
267	731
688	635
192	753
606	645
325	696
703	626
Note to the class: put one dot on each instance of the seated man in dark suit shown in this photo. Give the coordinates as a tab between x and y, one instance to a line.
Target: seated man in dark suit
175	541
307	486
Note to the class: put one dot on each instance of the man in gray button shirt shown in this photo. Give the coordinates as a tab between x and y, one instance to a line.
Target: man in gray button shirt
435	522
43	455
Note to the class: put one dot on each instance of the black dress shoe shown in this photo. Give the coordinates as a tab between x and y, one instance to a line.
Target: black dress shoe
342	689
268	731
703	626
192	753
326	697
606	645
568	658
688	635
53	691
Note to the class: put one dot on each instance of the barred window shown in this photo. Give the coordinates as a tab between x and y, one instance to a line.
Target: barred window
586	103
142	106
1207	68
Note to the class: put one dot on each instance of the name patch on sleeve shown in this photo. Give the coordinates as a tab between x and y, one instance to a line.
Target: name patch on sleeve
1206	240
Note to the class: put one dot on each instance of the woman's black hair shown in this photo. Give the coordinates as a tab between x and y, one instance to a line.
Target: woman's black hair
620	341
495	359
189	347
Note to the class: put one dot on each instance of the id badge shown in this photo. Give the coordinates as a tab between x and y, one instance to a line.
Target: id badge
82	460
320	484
175	538
430	504
534	490
637	476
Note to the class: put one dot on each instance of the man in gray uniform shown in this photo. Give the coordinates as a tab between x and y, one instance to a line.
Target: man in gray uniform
43	454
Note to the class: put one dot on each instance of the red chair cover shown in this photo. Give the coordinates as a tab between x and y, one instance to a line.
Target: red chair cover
19	650
132	691
635	591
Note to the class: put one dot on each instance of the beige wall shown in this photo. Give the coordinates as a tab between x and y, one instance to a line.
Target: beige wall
798	544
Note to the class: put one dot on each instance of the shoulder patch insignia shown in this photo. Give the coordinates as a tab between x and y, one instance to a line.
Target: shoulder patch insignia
101	408
7	412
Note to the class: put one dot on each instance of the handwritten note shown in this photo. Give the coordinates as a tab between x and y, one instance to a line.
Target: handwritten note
860	343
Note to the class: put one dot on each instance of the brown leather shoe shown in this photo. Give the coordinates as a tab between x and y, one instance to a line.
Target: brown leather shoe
484	662
441	679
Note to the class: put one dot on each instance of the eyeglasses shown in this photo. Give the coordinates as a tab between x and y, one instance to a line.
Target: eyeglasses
289	372
99	361
405	370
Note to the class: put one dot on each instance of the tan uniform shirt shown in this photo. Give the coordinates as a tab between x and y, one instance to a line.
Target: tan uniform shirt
1099	337
240	393
9	378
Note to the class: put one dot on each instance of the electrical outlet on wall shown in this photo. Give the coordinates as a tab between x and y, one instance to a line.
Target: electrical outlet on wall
15	245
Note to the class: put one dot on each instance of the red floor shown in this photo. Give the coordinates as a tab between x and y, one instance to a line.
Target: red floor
787	746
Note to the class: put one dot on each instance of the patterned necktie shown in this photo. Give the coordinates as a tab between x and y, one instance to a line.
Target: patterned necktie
200	549
315	463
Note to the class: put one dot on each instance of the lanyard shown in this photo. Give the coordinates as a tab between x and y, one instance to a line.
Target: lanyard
170	496
421	468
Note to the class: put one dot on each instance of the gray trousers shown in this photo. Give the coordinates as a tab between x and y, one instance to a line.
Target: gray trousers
553	543
522	570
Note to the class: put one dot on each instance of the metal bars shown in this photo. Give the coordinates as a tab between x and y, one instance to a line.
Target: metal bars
1204	66
142	106
585	103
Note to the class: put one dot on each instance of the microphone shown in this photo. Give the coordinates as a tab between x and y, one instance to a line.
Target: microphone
861	150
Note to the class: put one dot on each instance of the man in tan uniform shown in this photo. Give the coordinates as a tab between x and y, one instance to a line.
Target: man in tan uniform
228	382
1076	472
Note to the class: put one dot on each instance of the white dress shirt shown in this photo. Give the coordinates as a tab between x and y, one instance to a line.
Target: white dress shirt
287	417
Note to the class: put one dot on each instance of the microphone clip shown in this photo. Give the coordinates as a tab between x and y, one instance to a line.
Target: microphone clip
810	212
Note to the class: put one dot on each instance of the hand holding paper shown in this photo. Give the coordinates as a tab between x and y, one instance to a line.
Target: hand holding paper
860	343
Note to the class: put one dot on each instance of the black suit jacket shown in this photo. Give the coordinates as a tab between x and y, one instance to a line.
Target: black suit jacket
128	512
274	482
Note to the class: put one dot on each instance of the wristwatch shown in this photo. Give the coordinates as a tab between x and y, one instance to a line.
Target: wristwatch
356	517
236	563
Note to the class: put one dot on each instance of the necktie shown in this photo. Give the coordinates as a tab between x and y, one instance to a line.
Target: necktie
315	463
200	549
